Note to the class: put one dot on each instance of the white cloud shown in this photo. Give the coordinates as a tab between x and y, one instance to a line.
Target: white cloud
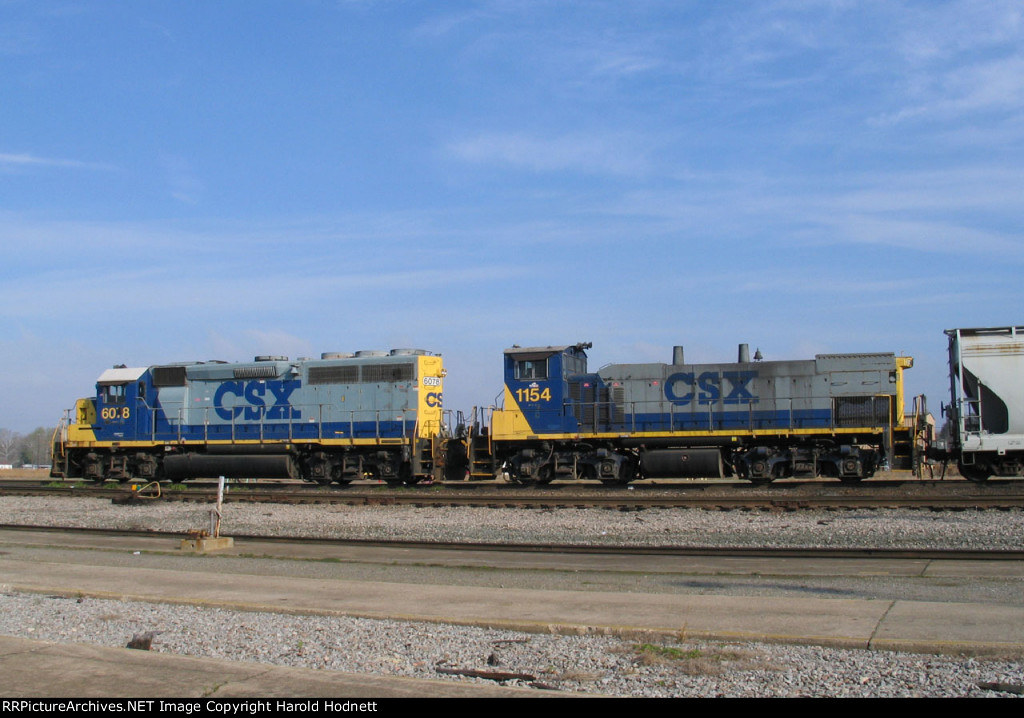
614	153
993	86
23	160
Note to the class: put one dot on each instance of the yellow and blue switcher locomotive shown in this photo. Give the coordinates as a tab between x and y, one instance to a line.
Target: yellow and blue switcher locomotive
838	415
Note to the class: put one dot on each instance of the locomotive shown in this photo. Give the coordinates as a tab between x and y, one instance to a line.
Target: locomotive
379	415
340	417
837	415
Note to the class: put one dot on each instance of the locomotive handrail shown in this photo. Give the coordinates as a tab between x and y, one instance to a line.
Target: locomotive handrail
753	415
60	429
888	446
172	424
610	415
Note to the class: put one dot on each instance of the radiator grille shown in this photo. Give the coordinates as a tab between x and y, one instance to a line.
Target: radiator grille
168	376
263	371
388	373
334	375
861	411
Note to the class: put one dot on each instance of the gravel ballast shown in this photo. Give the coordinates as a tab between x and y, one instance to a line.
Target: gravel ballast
862	528
624	666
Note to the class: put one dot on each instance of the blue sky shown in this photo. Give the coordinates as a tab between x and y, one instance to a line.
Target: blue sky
185	180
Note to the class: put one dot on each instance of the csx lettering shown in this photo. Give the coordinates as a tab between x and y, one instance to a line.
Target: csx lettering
740	394
707	387
254	393
434	399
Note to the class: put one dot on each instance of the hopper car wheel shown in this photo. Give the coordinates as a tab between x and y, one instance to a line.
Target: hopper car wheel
974	472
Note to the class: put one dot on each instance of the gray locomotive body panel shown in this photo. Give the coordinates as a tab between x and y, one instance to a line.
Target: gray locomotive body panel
753	395
306	391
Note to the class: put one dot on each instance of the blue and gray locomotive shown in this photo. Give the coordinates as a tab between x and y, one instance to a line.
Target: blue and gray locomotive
838	415
333	419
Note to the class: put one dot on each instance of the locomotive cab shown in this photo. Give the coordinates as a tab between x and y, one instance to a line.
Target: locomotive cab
120	393
537	382
550	400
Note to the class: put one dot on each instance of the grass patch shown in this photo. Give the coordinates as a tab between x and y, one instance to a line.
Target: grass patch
669	653
697	661
67	485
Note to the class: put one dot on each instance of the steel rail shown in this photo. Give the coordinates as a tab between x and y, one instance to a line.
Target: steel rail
785	498
612	550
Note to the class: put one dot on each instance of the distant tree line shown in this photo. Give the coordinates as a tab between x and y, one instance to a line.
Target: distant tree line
32	449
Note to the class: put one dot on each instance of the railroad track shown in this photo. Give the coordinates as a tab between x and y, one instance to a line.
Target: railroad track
611	550
933	495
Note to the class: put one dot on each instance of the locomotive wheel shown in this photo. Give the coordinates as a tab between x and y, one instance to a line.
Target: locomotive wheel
545	474
406	475
515	477
627	472
763	479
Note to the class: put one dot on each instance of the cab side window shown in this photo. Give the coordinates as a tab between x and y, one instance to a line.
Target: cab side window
532	369
113	394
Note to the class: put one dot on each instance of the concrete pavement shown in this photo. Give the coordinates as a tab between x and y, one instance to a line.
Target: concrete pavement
28	668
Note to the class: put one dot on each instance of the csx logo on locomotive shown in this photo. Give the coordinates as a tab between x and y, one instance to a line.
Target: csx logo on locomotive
255	393
710	384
